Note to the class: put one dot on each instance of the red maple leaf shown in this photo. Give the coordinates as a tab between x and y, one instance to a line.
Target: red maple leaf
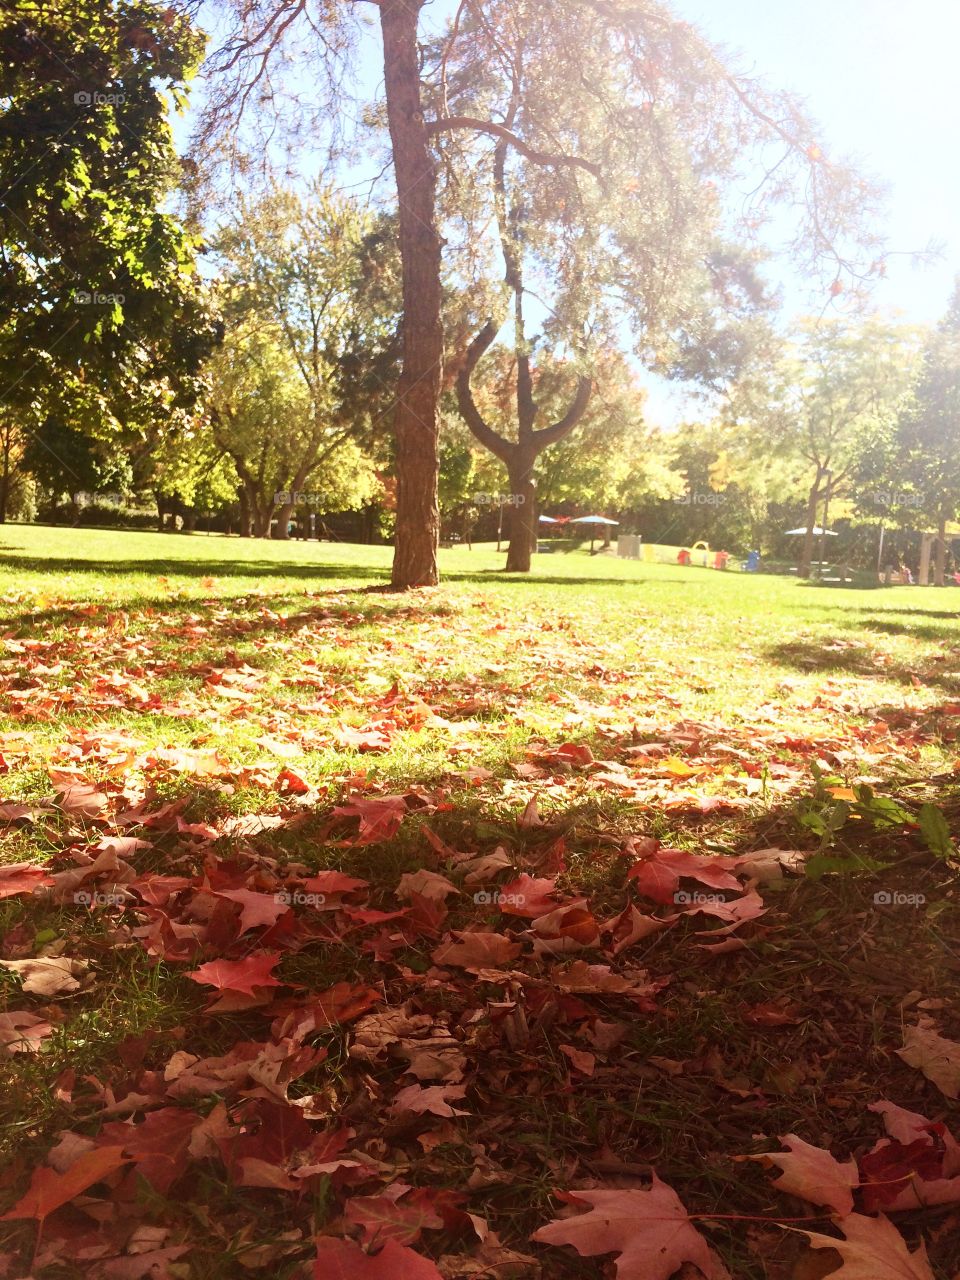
49	1190
239	975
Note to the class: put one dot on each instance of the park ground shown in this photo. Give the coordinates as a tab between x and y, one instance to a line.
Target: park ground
359	916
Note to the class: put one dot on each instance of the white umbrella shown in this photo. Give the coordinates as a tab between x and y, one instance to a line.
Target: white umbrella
548	520
817	532
593	520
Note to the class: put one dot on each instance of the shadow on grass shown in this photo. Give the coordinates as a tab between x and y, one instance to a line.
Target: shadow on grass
859	660
190	568
918	630
306	572
233	616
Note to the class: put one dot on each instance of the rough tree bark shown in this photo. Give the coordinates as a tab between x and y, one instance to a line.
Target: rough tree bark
284	512
7	434
416	415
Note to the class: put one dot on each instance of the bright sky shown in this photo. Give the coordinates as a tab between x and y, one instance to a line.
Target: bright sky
880	76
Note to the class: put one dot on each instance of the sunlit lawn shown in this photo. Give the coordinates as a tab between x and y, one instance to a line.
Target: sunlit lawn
584	643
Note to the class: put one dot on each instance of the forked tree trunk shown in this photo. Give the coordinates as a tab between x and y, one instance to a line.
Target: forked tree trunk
416	416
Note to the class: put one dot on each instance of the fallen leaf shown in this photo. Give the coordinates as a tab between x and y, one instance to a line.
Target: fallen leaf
938	1058
239	975
49	1190
400	1214
814	1174
650	1230
579	1058
21	877
427	884
873	1250
22	1031
48	976
434	1099
477	950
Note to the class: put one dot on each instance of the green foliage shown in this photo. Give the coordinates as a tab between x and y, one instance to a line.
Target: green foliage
102	306
927	443
300	384
65	460
935	831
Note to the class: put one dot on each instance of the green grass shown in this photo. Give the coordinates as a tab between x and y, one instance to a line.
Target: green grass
712	698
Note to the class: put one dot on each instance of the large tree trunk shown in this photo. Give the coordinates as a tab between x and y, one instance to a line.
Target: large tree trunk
283	519
263	520
940	563
5	475
523	513
246	530
806	555
416	417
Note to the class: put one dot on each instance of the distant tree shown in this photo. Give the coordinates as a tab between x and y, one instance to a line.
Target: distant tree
926	480
262	417
629	237
827	403
309	283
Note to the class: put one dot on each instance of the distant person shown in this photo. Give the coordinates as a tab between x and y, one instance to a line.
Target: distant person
752	564
683	556
720	559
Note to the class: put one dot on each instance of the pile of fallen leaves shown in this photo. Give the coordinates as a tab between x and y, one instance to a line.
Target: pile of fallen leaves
346	1101
415	1039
